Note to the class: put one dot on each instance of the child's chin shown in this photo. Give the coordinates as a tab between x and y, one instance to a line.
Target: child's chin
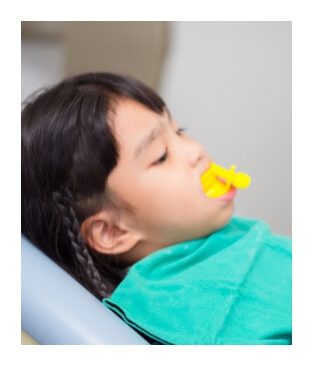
225	217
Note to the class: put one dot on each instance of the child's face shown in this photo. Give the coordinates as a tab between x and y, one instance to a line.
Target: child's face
169	203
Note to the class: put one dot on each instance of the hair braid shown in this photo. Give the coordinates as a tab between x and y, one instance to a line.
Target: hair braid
85	264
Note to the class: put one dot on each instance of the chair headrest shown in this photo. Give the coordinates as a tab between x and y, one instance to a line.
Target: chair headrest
56	309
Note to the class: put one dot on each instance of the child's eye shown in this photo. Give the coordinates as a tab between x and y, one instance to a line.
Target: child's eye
180	130
165	155
162	158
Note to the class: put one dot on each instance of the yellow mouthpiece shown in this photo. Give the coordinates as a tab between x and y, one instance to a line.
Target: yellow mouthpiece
217	181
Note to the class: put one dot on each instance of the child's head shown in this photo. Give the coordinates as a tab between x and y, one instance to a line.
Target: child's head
97	193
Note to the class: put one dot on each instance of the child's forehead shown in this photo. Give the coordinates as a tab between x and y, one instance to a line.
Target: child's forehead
129	110
132	117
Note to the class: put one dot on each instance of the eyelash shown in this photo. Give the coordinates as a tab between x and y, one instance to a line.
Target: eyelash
165	155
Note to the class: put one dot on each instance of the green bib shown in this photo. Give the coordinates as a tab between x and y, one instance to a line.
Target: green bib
231	287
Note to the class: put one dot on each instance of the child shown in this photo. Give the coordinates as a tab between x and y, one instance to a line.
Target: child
111	191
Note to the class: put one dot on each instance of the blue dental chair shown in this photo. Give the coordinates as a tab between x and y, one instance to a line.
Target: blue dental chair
56	309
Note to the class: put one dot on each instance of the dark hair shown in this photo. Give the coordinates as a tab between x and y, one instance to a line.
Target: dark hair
68	151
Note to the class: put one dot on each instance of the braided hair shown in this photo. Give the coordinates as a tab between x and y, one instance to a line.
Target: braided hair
85	265
68	152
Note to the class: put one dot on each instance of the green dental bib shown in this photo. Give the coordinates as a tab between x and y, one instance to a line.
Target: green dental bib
231	287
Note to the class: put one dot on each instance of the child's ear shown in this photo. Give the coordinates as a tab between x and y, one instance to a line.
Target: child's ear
106	236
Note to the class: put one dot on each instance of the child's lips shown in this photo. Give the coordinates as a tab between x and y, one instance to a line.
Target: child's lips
229	195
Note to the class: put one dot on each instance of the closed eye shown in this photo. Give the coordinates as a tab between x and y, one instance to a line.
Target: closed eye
165	155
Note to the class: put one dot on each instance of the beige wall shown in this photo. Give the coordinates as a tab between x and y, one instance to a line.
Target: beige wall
26	339
135	48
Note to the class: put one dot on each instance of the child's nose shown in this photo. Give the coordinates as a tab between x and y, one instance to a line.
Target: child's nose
197	155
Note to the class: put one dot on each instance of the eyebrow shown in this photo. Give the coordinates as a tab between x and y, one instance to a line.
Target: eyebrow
149	138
